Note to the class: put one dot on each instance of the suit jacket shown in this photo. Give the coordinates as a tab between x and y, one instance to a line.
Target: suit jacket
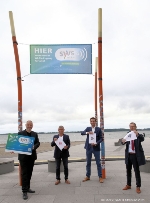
24	157
57	152
138	150
99	138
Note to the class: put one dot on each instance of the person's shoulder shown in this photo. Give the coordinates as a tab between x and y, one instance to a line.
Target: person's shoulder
33	132
66	135
140	135
98	130
56	136
21	132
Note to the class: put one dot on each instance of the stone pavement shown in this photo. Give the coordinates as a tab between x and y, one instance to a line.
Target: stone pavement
78	192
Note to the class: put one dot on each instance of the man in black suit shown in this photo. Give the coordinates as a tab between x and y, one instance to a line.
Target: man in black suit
27	161
61	154
134	155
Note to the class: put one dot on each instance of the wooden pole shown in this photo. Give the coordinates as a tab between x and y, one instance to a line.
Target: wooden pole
96	116
19	80
101	89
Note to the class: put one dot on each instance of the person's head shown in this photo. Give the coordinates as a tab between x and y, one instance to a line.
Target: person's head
61	130
132	126
29	126
93	121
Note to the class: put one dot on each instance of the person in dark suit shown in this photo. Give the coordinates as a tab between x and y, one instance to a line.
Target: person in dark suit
27	161
61	154
93	149
134	155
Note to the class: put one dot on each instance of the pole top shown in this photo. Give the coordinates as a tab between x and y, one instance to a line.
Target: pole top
100	22
12	23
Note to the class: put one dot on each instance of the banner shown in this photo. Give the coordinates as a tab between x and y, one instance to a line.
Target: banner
61	59
19	144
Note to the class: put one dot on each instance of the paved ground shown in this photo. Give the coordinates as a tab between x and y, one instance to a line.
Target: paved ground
78	192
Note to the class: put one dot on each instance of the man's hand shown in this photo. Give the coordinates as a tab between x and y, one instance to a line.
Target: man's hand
136	132
65	147
93	144
91	132
55	139
123	140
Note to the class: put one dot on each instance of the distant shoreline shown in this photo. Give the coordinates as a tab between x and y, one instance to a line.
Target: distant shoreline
106	130
44	147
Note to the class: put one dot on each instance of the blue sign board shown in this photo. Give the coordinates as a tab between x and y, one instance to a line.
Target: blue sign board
19	144
61	59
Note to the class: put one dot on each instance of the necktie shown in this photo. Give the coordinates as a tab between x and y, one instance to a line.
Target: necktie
132	144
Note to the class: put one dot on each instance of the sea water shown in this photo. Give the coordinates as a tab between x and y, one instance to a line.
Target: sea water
78	137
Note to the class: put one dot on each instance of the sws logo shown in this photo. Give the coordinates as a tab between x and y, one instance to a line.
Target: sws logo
71	54
24	140
66	53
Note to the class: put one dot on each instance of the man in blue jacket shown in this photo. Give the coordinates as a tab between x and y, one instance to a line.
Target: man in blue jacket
61	154
93	148
134	155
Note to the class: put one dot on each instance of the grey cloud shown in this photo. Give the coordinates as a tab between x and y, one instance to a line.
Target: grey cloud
126	48
135	103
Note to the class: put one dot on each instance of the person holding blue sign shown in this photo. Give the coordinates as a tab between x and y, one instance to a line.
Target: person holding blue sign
93	148
27	161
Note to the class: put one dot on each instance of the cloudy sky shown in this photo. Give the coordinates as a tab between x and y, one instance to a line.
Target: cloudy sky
53	100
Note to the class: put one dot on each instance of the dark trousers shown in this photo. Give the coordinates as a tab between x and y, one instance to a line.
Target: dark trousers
26	173
65	163
88	162
132	160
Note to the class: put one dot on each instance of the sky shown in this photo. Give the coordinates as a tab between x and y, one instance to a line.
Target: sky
51	100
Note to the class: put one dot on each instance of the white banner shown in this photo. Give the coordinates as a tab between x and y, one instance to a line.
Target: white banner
130	136
92	138
60	143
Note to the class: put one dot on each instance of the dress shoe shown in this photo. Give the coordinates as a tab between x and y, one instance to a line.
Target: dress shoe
57	182
67	181
31	191
127	187
25	196
86	179
101	180
138	190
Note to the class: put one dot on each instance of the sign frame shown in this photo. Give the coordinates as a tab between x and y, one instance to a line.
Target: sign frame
61	59
20	144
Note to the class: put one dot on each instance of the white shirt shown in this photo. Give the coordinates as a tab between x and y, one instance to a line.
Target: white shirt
61	138
130	148
93	129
